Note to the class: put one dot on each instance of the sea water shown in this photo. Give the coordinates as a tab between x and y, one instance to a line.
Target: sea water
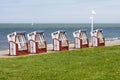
111	31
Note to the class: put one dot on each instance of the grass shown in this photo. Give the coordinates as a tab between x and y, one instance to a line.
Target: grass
102	63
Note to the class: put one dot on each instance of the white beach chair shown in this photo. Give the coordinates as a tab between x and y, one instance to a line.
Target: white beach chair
17	43
37	43
60	41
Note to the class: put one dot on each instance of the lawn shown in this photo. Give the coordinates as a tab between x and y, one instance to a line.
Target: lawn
101	63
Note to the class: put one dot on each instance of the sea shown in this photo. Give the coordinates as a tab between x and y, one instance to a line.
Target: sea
110	31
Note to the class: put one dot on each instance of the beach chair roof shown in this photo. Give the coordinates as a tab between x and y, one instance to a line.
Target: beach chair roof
59	31
79	31
20	32
16	33
83	30
36	32
98	30
40	31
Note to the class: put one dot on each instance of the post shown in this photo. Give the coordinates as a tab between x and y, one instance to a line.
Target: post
92	23
91	17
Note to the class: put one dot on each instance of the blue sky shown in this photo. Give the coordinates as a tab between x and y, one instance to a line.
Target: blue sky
59	11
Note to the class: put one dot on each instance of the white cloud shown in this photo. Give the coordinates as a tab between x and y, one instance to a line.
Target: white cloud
58	10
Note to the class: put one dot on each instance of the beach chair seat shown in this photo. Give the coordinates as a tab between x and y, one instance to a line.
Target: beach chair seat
64	42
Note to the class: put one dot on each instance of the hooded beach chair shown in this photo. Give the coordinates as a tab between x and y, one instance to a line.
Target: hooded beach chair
97	38
80	39
37	43
17	43
60	41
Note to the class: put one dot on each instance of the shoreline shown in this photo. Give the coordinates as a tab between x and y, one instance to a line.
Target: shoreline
4	53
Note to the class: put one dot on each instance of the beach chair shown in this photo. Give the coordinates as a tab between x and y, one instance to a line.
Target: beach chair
17	43
37	43
80	39
97	38
60	41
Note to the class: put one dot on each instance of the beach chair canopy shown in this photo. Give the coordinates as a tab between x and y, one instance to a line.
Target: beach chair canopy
80	34
61	34
96	32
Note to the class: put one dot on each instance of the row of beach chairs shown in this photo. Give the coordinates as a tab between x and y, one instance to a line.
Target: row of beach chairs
21	43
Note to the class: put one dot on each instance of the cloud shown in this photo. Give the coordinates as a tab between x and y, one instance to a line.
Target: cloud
57	10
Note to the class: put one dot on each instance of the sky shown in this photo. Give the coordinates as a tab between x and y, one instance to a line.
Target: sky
59	11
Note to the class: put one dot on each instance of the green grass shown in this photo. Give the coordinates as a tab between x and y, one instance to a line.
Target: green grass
102	63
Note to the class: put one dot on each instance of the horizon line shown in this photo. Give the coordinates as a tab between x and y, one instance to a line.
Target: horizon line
54	23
